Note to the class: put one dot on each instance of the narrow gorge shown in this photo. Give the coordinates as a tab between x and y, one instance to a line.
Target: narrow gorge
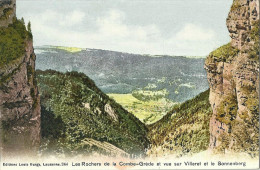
65	113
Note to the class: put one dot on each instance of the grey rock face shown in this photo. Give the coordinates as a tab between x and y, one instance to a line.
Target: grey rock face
20	106
19	97
233	81
7	12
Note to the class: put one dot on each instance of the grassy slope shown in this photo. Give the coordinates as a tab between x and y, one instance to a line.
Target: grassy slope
67	122
69	49
184	130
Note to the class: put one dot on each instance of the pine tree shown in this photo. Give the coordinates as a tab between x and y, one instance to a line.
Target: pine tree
22	20
29	27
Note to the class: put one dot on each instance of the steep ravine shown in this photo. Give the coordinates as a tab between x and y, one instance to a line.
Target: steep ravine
19	101
81	114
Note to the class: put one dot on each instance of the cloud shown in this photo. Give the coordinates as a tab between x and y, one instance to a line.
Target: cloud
135	27
72	18
50	17
192	32
192	40
112	25
114	33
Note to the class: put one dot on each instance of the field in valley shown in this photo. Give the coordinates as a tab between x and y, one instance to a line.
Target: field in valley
147	111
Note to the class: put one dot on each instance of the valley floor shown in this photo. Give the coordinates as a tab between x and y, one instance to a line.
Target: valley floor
147	111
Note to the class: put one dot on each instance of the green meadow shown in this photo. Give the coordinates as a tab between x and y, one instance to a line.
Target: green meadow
148	111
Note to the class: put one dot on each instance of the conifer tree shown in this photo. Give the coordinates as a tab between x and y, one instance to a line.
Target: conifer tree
29	27
22	20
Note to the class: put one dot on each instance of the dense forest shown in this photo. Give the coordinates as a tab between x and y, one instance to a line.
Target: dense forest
74	110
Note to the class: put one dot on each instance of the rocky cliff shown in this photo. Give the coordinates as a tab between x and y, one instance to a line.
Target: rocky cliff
233	76
19	101
7	12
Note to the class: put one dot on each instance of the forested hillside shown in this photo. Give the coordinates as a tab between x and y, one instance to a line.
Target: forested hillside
74	111
184	130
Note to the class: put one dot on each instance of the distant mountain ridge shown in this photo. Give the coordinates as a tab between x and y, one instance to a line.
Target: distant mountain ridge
117	72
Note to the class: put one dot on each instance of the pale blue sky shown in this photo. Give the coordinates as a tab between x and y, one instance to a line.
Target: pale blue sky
173	27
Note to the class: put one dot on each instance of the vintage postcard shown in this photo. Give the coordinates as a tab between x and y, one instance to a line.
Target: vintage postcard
129	84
